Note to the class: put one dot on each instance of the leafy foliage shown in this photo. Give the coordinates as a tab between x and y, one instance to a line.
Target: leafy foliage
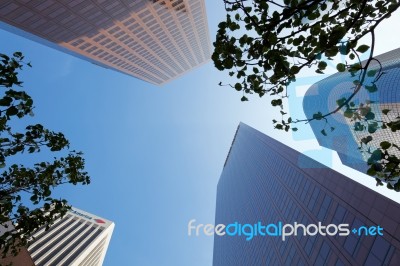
384	161
21	186
266	44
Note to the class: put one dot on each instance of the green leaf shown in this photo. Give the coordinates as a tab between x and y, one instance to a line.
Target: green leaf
341	101
331	52
343	49
228	63
5	57
317	116
371	172
372	88
362	48
294	70
385	111
378	182
375	156
358	126
348	113
323	132
366	139
371	73
12	111
244	98
355	67
385	145
313	15
397	186
370	116
294	129
46	193
238	86
6	101
341	67
322	65
276	102
372	127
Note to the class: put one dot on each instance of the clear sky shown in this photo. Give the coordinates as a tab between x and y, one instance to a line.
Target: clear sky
155	154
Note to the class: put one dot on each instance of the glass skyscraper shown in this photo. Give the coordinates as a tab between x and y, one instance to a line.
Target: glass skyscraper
153	40
322	97
265	181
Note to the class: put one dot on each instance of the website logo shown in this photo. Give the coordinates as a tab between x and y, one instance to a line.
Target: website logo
279	230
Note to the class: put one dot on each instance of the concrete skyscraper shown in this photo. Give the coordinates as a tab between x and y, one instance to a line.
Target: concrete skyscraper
79	238
262	181
153	40
322	97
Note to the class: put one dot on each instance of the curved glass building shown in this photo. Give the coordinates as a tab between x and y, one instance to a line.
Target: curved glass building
322	97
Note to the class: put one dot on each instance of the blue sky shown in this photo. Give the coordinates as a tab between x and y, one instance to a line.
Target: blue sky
155	154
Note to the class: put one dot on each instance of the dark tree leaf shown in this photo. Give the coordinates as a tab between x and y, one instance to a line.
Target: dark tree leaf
385	145
362	48
341	67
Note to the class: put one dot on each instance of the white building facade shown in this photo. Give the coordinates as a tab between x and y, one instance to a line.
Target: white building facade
79	238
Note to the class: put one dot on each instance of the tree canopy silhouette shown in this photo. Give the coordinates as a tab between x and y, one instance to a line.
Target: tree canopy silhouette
265	45
26	201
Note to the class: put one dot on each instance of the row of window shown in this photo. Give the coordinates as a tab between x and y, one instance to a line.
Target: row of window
255	184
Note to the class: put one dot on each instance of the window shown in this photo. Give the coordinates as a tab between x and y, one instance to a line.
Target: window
324	207
350	244
339	214
380	248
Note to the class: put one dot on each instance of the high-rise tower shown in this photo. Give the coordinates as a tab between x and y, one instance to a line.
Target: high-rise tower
322	97
79	238
153	40
265	181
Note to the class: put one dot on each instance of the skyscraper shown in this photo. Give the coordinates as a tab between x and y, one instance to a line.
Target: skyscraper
262	182
153	40
79	238
322	97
